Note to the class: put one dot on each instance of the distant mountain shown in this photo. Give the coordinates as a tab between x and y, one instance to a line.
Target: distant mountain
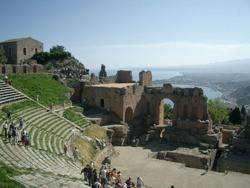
233	66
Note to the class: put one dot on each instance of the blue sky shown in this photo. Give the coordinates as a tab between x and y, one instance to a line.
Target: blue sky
134	33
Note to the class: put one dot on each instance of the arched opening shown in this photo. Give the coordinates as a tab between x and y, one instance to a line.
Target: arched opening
34	69
3	70
14	69
24	69
128	115
102	103
166	112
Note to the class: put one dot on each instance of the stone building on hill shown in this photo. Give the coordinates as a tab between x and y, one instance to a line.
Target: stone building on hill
19	50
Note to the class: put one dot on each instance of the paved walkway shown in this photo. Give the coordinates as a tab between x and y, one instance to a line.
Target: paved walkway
135	161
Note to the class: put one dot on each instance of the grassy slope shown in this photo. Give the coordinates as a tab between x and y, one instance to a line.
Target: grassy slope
5	181
73	115
87	149
49	90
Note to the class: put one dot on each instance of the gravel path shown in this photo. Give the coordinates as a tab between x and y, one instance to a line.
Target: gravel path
135	161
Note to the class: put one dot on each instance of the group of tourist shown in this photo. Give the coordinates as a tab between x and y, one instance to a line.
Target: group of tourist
108	178
13	133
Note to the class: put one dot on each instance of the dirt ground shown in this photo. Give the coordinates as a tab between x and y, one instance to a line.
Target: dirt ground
136	161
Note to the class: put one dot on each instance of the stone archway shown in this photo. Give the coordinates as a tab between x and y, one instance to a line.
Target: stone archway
128	115
166	104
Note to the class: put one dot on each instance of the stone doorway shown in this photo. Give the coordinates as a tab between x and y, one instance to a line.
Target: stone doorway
166	112
34	69
24	69
128	115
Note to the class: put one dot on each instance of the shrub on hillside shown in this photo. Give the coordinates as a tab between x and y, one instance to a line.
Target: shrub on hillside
218	111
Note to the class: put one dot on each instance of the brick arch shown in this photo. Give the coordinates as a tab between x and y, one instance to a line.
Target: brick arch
190	103
128	115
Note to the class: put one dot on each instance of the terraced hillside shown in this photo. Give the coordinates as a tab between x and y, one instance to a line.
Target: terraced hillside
44	162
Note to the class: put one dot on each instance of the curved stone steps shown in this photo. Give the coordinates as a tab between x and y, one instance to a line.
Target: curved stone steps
12	157
34	116
50	148
20	156
59	131
26	111
37	120
22	152
40	180
8	160
45	141
57	126
37	141
35	157
44	156
46	125
52	125
66	134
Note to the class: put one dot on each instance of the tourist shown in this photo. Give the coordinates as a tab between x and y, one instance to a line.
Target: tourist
65	148
90	176
9	115
85	172
118	177
6	79
98	184
10	132
75	153
27	140
21	123
94	177
103	175
14	134
23	136
129	182
139	183
5	130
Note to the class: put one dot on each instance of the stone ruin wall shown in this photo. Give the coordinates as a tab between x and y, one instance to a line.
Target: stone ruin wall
21	69
189	103
145	78
124	76
116	100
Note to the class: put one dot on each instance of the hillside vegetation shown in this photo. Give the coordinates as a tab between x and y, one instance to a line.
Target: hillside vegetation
74	114
42	86
5	174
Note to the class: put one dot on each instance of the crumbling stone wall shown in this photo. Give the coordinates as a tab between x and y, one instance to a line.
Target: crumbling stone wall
141	106
189	103
114	99
145	78
21	69
124	76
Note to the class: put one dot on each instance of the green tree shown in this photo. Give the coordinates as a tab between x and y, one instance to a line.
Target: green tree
3	58
57	49
168	111
218	111
235	116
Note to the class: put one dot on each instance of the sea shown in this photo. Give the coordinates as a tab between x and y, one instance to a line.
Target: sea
162	74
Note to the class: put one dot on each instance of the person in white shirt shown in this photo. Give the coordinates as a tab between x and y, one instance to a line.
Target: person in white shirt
139	183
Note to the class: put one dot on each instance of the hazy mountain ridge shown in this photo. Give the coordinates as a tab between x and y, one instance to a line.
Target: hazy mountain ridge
232	66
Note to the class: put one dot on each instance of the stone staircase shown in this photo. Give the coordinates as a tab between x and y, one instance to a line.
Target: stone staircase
9	94
44	158
41	180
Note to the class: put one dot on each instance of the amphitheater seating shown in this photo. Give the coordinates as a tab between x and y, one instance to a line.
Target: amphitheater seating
9	94
48	133
41	180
